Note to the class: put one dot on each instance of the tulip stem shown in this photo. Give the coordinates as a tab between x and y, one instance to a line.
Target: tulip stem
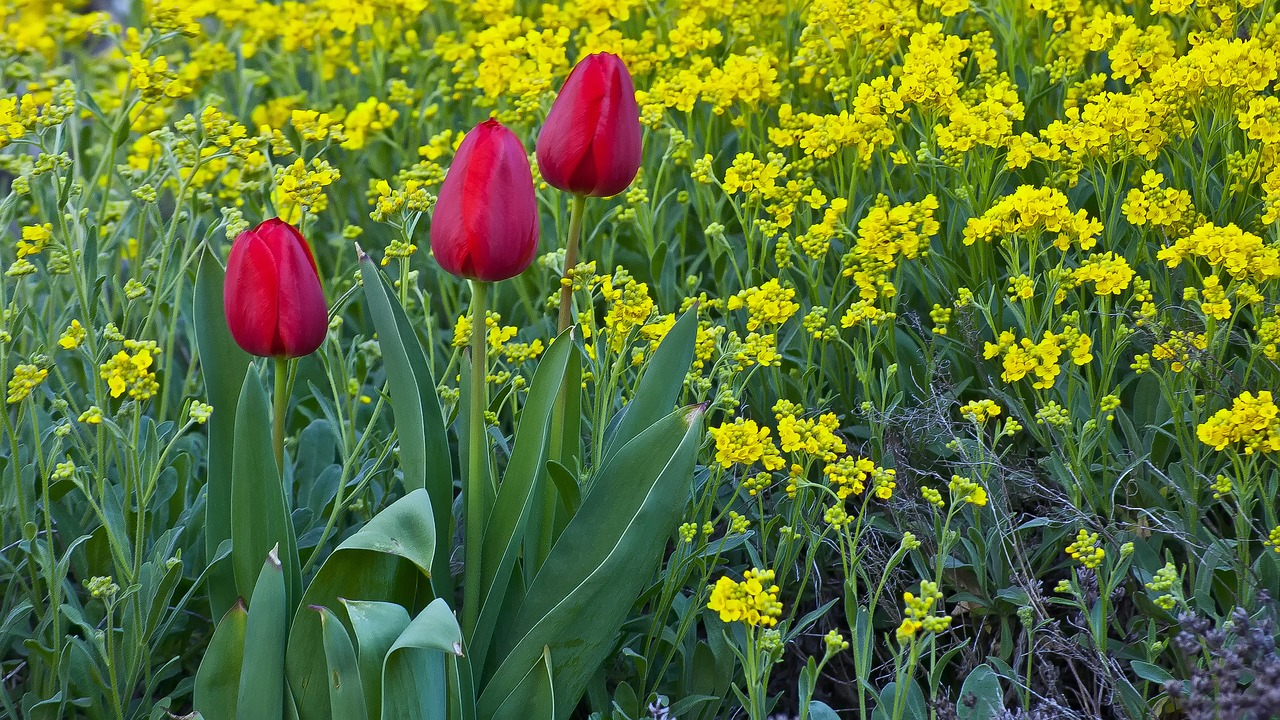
476	490
280	400
571	261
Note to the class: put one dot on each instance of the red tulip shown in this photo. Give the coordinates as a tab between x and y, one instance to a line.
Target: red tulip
590	144
485	225
274	304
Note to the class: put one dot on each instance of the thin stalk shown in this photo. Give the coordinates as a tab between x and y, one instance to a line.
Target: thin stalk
475	491
280	401
571	261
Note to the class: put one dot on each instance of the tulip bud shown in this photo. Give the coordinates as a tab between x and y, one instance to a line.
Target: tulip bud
485	225
273	300
590	144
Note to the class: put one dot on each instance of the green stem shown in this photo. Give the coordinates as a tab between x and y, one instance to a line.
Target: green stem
571	261
475	490
281	402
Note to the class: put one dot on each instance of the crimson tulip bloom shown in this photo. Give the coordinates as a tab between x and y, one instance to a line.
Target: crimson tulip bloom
485	225
590	144
274	304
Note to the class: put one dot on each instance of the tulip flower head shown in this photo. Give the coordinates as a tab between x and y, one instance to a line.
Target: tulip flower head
590	144
273	300
485	225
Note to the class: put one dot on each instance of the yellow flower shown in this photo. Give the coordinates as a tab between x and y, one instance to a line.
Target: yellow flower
753	602
367	118
25	379
1252	423
72	336
1086	549
130	371
743	442
918	613
35	238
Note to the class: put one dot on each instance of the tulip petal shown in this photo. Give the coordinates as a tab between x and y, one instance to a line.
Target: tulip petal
250	295
303	312
591	141
485	224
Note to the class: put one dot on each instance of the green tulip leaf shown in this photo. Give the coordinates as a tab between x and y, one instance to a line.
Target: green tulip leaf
223	366
660	386
414	677
425	458
388	560
517	495
376	626
262	689
346	692
579	599
260	517
218	679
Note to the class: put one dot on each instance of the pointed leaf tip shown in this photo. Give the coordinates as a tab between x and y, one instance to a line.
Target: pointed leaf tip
273	557
693	413
457	649
361	255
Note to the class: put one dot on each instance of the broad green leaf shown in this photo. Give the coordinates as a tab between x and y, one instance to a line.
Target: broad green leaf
222	365
913	704
566	486
589	583
425	458
660	386
533	698
517	495
983	685
376	626
1150	673
547	519
259	511
462	693
262	689
346	693
218	679
387	560
819	710
414	681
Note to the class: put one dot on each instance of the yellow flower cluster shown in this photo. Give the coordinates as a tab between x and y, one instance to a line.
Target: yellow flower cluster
919	615
743	442
25	379
367	118
753	602
300	188
850	476
868	127
964	490
1109	273
1178	349
1040	359
72	336
1162	584
1251	424
130	370
1168	209
1241	254
1031	210
1273	539
980	411
35	238
814	436
885	235
768	304
629	308
1086	549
